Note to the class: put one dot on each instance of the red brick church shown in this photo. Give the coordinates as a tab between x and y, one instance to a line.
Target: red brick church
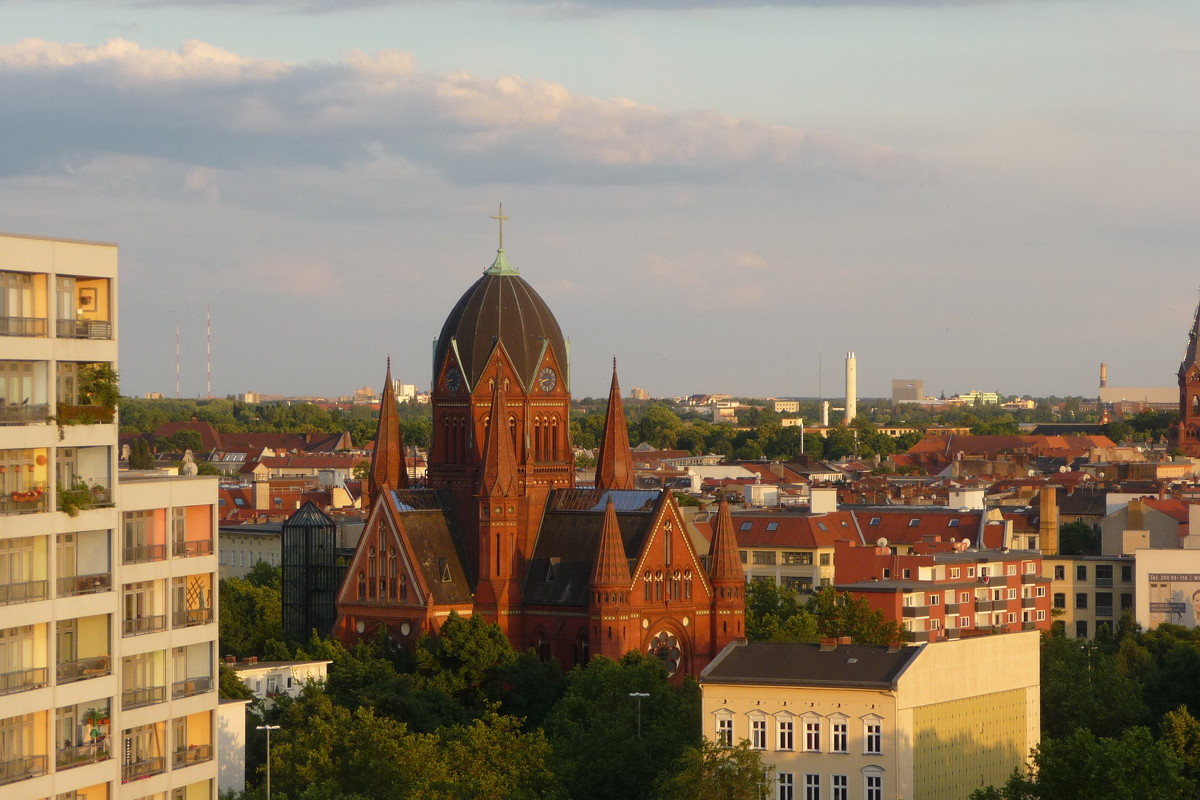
502	532
1186	436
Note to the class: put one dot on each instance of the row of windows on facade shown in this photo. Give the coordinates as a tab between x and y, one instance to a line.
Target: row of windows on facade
246	558
545	442
769	558
996	594
813	728
982	620
1104	602
839	785
1103	573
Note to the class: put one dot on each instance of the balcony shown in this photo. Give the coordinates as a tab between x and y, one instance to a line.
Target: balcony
1104	583
23	413
915	611
22	679
143	768
194	754
82	495
143	625
23	326
136	698
84	415
141	553
25	592
1032	577
191	616
84	584
951	609
200	547
18	769
67	757
1104	611
83	668
24	501
1028	626
191	686
1029	602
84	329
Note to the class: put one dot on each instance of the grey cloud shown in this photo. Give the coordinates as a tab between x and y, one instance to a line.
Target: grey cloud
202	106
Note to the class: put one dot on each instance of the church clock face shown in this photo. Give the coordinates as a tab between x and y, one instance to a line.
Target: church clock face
547	380
454	379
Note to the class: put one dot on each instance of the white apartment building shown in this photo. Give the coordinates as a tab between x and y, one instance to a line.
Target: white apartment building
107	589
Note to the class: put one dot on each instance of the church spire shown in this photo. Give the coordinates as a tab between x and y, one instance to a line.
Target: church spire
725	565
1190	357
387	459
614	462
499	456
611	567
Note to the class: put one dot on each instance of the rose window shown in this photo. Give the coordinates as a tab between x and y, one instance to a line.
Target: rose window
666	648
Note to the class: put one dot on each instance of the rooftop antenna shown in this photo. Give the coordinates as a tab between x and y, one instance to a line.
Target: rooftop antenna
208	323
176	359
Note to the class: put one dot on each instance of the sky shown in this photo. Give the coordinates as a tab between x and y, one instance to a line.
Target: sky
727	197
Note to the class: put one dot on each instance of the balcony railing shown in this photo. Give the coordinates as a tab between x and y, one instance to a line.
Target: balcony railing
140	553
22	679
915	611
82	669
191	686
143	768
141	625
22	326
199	547
196	754
191	616
84	329
16	769
84	584
1105	582
25	501
23	592
84	415
23	413
1104	611
83	494
67	757
136	698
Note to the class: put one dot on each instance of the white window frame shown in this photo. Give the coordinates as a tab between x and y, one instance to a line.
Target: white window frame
812	733
872	735
758	731
785	732
839	734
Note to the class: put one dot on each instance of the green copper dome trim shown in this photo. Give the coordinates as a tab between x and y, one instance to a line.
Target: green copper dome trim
501	266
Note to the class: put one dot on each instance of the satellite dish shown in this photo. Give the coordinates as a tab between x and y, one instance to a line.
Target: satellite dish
1063	468
881	542
1032	472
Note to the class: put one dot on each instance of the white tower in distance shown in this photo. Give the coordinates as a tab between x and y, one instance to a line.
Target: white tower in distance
851	388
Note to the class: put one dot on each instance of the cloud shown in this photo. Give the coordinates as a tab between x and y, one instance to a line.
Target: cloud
210	108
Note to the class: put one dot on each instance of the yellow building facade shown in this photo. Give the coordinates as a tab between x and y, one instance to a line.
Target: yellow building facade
842	721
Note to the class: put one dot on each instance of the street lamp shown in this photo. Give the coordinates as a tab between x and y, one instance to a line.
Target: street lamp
639	696
268	729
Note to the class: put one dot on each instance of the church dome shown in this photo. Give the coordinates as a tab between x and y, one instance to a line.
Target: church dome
500	306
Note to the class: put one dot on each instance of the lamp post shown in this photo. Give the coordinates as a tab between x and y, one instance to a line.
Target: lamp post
268	729
639	696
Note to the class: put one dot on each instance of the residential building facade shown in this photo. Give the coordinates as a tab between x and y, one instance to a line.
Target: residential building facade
1089	591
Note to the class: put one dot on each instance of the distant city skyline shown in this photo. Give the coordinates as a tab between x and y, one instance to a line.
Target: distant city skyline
992	195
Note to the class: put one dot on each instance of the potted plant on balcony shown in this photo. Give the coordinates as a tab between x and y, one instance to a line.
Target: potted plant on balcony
98	385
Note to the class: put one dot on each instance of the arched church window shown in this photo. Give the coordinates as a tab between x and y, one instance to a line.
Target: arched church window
402	588
371	571
666	647
1195	404
362	585
552	440
646	590
543	650
512	431
392	570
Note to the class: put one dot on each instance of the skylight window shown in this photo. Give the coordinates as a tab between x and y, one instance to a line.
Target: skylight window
874	521
914	522
746	526
772	526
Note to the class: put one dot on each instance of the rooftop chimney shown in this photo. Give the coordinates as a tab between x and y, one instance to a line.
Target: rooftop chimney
1048	520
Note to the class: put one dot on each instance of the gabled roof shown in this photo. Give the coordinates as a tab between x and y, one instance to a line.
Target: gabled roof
795	664
794	530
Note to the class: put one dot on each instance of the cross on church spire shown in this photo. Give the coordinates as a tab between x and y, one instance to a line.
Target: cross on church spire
499	217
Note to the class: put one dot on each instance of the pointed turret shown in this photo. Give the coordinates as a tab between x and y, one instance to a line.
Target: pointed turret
387	459
1193	338
614	462
725	565
612	567
499	474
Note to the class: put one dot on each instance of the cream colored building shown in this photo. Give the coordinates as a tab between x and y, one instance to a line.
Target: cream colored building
842	721
271	679
107	610
1089	591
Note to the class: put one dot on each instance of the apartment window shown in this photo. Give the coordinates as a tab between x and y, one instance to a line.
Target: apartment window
935	624
964	597
725	731
797	584
874	786
964	622
1060	600
840	739
1041	616
826	559
1081	572
764	558
787	787
1010	569
1081	629
1104	575
1104	604
1126	601
758	734
970	572
786	735
798	557
873	736
1012	617
1081	600
812	786
1126	573
955	573
1060	572
742	555
841	786
935	599
1030	568
1040	591
812	735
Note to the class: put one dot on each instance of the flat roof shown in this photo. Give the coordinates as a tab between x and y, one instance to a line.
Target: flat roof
56	239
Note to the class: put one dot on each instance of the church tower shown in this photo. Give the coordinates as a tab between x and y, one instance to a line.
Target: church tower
728	581
387	459
1187	432
501	320
614	461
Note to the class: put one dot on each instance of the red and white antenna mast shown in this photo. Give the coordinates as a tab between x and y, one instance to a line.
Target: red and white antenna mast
176	359
208	321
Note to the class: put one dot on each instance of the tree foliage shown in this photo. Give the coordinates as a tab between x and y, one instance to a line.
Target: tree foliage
725	773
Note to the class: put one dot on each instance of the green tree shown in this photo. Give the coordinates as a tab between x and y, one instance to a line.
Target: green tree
250	616
1082	688
1078	539
1083	767
726	773
840	614
1180	731
230	686
362	470
463	657
179	441
775	614
140	456
659	426
593	729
